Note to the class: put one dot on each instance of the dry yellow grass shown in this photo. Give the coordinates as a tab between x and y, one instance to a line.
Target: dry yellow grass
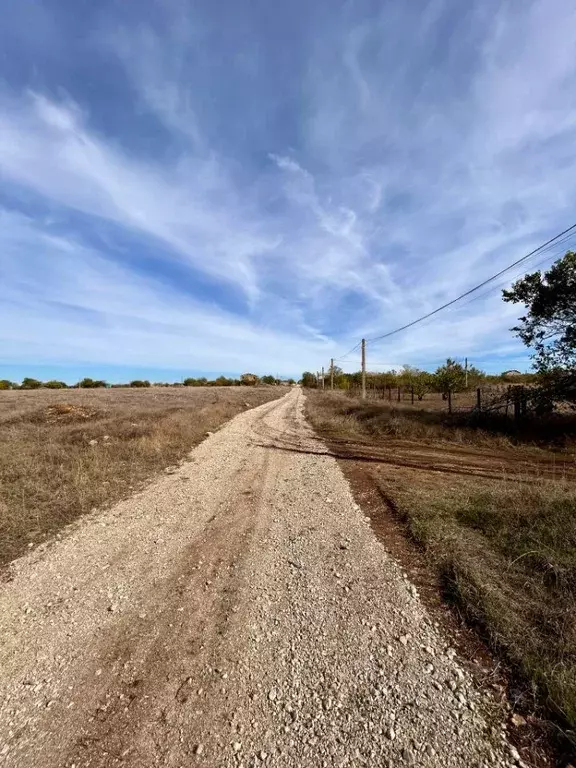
497	521
63	453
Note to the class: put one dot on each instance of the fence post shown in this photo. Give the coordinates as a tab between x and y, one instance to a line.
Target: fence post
523	402
398	394
412	394
517	404
479	399
363	369
449	401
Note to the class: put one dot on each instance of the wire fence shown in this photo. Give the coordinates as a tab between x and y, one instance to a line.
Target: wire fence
512	400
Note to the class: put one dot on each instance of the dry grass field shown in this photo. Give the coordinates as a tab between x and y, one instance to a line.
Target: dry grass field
65	452
495	514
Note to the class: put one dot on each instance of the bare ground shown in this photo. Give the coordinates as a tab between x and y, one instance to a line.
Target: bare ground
239	612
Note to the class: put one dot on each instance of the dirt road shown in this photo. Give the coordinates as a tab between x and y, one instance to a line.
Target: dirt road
237	612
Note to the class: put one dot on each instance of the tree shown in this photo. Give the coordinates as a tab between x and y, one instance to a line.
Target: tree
450	377
268	380
222	381
6	384
140	383
414	378
88	383
475	376
249	379
549	326
54	384
28	383
308	379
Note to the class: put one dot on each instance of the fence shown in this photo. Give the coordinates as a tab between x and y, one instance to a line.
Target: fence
510	400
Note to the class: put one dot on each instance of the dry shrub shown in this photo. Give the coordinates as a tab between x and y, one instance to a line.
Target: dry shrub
63	454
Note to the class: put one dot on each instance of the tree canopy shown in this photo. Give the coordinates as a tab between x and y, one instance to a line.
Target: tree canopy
450	377
549	326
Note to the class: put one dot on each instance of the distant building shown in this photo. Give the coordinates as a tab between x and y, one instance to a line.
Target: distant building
511	374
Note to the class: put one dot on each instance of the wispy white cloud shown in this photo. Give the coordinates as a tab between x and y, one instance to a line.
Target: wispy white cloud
61	301
429	148
193	208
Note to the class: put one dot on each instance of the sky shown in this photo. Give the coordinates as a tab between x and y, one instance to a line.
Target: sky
196	188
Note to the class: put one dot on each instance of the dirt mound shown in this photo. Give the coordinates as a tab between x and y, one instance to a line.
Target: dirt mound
69	412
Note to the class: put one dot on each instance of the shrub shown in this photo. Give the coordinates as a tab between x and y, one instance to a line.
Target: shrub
28	383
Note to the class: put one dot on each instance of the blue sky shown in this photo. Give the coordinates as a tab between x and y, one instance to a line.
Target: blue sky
221	187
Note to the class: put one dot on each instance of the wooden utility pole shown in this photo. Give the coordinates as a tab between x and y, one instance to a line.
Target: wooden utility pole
331	373
363	369
466	373
322	377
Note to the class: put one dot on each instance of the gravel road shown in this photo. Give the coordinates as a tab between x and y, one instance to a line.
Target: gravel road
239	611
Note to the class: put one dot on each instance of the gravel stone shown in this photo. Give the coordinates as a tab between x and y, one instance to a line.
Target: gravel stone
263	565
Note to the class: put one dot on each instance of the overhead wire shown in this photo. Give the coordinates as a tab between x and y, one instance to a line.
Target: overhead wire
340	359
552	241
550	245
517	275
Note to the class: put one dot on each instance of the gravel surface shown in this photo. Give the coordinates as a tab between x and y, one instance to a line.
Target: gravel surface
237	612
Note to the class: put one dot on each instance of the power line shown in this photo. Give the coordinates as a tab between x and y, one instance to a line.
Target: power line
519	274
475	288
339	359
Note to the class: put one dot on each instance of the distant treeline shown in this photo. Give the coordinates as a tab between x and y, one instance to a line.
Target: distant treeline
247	379
452	376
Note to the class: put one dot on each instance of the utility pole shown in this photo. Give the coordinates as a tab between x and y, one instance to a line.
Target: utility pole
363	369
323	382
466	372
331	373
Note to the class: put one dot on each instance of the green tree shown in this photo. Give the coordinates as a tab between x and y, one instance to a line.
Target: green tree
54	384
88	383
28	383
6	384
140	383
450	377
190	382
549	326
268	380
475	376
308	379
222	381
